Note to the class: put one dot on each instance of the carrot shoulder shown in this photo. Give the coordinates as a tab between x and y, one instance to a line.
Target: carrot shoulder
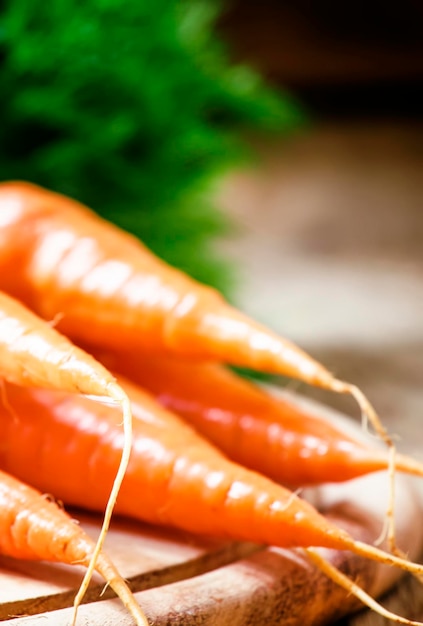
112	291
285	440
35	354
34	528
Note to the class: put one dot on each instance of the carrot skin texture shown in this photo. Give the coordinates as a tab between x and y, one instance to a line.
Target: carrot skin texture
33	353
67	260
34	528
70	547
174	477
271	435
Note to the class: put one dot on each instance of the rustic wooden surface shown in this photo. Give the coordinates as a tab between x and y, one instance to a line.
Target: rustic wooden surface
278	586
186	580
146	556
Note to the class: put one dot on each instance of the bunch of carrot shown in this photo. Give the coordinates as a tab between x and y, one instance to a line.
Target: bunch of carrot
156	326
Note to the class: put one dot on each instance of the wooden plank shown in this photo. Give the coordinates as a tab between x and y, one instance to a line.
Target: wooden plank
146	556
272	586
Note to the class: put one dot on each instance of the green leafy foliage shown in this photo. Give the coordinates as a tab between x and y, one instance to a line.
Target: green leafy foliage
131	107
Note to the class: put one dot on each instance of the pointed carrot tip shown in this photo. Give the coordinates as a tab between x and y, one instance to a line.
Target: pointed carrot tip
121	589
346	583
386	558
408	465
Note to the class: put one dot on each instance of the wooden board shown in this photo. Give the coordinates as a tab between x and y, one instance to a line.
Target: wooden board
181	579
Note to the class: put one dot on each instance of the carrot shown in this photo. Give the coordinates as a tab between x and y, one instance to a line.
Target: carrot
33	353
174	477
112	291
34	528
288	442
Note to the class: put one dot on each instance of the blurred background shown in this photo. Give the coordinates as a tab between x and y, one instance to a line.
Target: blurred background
272	149
332	216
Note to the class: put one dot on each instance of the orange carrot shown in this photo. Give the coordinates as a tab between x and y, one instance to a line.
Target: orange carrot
174	477
62	259
33	353
34	528
272	434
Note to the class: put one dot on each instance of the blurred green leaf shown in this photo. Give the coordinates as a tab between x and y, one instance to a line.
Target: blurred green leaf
131	107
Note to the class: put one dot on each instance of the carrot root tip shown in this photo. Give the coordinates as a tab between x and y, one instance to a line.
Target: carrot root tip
346	583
